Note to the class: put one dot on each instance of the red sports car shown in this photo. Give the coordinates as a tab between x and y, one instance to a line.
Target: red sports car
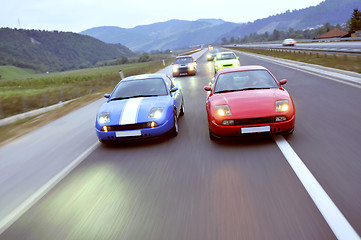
248	100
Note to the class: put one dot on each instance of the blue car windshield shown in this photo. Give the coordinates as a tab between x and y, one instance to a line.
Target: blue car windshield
244	80
148	87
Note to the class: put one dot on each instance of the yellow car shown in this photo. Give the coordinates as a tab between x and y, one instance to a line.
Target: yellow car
225	60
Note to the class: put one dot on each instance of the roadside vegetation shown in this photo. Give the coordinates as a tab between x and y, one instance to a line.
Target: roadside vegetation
32	91
344	62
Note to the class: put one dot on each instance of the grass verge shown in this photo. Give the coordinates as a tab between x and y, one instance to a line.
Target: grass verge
344	62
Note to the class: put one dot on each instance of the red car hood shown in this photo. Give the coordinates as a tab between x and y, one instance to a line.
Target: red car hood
252	103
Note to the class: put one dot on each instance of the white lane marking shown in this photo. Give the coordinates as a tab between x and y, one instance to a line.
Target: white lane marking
333	216
29	202
130	111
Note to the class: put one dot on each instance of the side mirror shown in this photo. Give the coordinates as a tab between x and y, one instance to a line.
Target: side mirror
107	95
237	57
283	82
195	61
207	88
174	89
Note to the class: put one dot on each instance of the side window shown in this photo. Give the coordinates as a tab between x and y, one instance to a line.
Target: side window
169	83
172	83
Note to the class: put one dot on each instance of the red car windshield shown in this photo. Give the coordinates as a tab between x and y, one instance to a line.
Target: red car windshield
244	80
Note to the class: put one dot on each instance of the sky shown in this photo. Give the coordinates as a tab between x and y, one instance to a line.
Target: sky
80	15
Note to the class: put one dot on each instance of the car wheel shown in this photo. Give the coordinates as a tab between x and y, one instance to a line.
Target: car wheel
291	131
211	135
175	128
182	109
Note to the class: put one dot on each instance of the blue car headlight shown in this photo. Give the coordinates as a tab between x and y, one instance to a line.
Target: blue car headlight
104	117
155	112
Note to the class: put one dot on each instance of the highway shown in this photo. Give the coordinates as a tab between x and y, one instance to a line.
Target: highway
58	182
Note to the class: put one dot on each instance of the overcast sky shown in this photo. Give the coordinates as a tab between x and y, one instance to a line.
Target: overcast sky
79	15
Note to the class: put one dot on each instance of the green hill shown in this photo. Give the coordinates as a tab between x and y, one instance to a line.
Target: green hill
54	51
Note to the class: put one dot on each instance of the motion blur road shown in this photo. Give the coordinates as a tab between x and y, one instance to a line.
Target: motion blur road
190	187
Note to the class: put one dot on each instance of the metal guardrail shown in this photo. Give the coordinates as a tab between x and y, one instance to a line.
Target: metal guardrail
356	52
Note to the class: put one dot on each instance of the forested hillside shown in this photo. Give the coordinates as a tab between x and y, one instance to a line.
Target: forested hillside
55	51
328	11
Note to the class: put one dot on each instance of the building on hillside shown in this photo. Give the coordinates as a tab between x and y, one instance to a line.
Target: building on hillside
356	34
334	33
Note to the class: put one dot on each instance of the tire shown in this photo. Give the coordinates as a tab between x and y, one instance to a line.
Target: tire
291	131
211	135
181	113
175	128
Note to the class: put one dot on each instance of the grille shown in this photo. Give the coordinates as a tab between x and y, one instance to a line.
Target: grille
251	121
128	127
228	65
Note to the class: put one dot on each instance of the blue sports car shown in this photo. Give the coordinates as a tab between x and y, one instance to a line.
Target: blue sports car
141	106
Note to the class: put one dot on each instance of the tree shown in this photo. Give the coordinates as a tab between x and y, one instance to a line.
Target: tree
224	41
144	58
355	24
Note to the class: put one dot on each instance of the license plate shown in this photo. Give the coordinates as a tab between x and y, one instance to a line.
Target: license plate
256	129
135	133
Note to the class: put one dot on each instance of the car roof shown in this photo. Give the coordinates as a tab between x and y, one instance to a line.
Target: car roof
225	52
242	68
144	76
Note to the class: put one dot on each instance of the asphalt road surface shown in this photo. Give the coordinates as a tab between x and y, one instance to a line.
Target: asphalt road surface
190	187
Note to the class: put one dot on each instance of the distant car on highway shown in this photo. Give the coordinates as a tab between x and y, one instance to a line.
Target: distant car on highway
225	60
212	54
141	106
247	101
184	65
289	42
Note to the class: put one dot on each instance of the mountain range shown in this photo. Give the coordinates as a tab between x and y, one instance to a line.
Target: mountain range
175	34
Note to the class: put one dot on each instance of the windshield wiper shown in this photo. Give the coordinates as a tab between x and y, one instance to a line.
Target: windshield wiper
252	88
135	96
223	91
243	89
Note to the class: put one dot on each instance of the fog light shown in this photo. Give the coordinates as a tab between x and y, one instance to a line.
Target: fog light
152	124
228	122
280	119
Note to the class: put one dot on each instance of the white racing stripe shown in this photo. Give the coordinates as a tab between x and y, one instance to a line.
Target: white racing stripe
333	216
130	111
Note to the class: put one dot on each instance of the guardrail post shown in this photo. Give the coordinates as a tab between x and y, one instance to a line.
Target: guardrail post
45	102
2	115
121	74
25	107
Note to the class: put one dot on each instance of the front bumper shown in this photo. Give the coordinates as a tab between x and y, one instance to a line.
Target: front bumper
135	134
236	130
184	71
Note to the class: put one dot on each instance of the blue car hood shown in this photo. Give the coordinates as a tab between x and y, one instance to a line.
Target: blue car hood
135	110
